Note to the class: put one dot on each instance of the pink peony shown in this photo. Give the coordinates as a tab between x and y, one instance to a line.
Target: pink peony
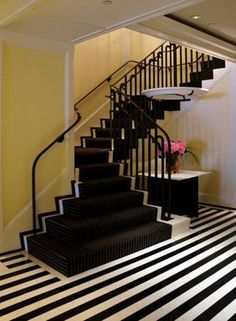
177	146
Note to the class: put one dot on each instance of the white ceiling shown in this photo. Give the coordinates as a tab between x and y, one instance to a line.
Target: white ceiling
72	21
216	17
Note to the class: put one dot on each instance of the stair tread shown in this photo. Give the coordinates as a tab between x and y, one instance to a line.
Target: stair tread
98	170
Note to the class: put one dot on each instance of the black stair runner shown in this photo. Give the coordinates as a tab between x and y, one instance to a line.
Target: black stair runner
107	221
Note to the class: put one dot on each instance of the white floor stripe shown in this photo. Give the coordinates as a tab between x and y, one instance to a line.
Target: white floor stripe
218	221
15	261
226	313
210	300
19	268
25	285
126	268
200	214
20	276
135	307
131	292
6	256
127	294
188	294
205	219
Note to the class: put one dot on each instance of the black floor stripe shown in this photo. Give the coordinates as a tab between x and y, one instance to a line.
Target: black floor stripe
23	280
12	258
141	295
203	217
208	209
115	292
10	252
29	289
183	308
177	292
11	266
233	318
115	278
211	220
11	274
217	307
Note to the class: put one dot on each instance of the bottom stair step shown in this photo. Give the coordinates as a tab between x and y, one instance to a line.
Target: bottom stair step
71	259
74	230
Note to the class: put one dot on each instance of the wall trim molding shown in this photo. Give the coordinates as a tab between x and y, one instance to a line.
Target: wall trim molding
165	9
19	39
10	17
219	200
171	30
1	119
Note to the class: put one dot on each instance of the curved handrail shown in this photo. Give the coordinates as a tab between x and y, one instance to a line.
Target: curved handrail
59	139
141	111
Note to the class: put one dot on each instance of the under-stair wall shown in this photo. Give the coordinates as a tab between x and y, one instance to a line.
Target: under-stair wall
208	126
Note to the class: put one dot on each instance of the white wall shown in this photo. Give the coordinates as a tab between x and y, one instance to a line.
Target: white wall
208	126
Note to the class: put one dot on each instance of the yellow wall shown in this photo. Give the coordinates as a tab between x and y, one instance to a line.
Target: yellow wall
207	124
33	114
96	58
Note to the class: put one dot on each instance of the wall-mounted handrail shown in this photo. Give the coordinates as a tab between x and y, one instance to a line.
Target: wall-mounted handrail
107	79
59	139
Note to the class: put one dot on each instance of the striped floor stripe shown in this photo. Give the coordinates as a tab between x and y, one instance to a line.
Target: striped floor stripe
191	277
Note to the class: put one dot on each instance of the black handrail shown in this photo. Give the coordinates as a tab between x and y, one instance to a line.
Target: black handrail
140	62
59	139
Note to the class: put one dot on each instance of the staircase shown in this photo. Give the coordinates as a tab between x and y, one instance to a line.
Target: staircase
107	215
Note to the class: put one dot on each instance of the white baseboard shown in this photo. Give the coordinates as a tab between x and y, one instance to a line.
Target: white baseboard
220	200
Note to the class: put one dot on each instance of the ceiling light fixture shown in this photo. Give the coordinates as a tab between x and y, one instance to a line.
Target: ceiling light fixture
195	17
107	2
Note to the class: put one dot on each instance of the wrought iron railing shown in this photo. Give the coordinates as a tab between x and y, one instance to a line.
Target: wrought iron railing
169	65
136	136
138	139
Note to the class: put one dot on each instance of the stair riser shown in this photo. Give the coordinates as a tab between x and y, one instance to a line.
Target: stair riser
98	207
82	158
71	264
108	225
98	172
97	143
94	189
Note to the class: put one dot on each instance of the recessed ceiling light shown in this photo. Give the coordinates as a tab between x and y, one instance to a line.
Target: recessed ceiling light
195	17
107	2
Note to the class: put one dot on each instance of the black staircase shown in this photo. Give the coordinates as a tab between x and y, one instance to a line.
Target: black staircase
106	216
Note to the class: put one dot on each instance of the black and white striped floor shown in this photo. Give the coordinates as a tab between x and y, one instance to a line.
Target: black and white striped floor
191	277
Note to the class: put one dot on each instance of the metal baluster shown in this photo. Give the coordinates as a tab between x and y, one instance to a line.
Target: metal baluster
186	65
181	64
